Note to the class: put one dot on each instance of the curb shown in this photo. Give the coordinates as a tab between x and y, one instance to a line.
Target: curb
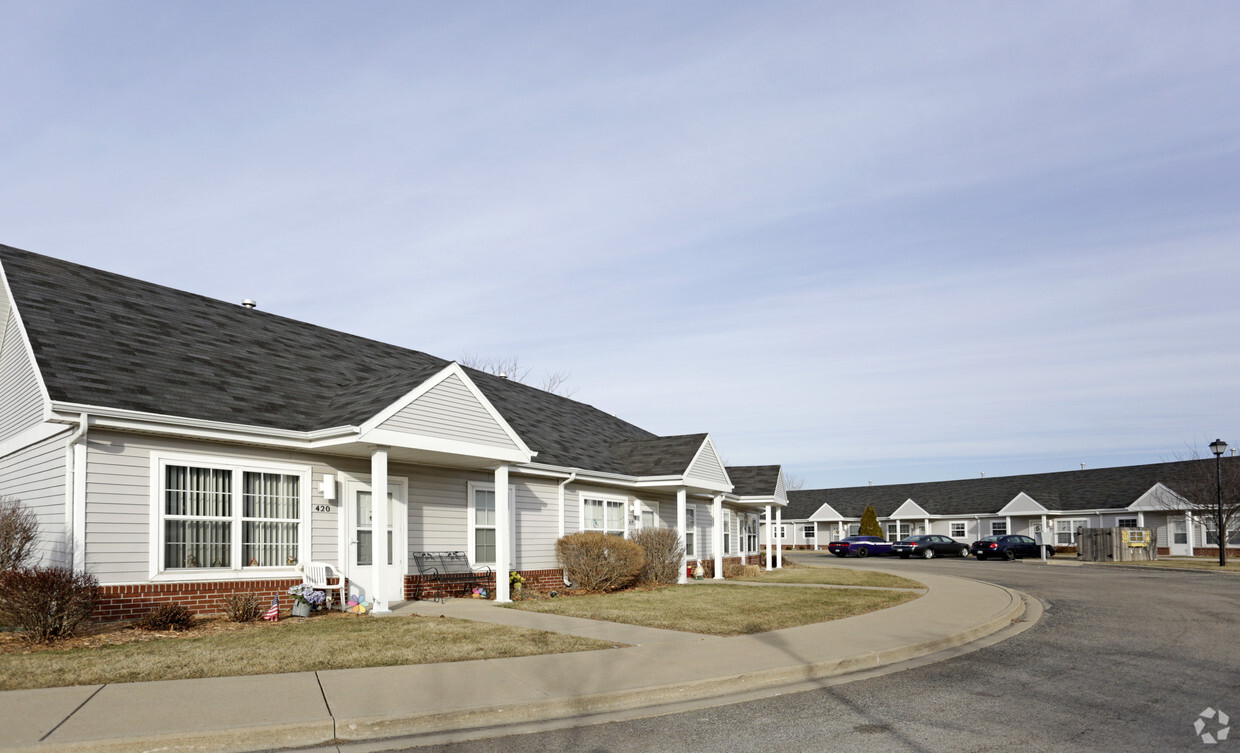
365	729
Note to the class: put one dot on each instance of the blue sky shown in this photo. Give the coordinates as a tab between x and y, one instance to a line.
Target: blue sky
885	243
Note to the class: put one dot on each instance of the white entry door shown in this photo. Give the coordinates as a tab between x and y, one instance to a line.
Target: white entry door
359	537
1179	537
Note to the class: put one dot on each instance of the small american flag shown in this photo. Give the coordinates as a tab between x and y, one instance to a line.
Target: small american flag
273	613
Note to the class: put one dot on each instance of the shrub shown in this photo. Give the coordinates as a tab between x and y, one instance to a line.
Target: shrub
663	554
598	562
46	603
244	606
169	616
19	529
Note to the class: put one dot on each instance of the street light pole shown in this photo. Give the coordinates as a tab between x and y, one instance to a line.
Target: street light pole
1218	447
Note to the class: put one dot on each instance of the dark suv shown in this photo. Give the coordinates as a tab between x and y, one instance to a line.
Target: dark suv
1009	547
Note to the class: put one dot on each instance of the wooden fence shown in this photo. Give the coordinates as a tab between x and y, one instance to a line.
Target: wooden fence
1117	544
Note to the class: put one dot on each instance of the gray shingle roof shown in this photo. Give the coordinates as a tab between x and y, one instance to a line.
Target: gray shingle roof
106	340
1096	488
754	480
659	456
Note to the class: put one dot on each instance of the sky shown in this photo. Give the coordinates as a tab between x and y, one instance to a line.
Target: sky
874	243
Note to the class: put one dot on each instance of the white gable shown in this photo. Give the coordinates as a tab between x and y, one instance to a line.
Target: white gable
781	489
826	512
447	413
21	389
909	509
1022	503
1160	497
707	467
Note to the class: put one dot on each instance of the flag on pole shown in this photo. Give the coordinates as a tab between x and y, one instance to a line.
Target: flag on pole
273	613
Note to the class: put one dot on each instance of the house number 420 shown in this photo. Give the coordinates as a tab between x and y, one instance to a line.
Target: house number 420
322	508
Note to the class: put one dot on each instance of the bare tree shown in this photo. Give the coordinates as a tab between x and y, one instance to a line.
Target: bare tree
555	382
1208	490
793	481
19	530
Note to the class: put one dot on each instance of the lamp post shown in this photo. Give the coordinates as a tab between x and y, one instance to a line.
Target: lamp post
1218	447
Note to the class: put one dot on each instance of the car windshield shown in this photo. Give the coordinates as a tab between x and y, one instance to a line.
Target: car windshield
912	539
991	538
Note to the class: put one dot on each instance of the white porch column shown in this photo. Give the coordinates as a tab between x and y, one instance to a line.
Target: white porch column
681	504
379	525
779	548
1140	519
503	535
1008	522
1190	525
1045	539
770	534
717	513
926	521
817	534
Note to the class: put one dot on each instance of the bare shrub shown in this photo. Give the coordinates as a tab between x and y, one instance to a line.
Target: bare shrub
46	603
19	530
598	562
244	606
664	553
169	616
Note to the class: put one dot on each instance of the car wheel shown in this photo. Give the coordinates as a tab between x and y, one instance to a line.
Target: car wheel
862	551
1009	554
928	554
964	551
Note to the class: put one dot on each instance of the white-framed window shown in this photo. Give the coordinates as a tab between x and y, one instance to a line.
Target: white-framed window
998	527
604	514
647	517
783	532
960	529
225	514
690	532
1065	531
1126	522
854	529
751	535
1233	537
811	530
897	531
481	523
727	531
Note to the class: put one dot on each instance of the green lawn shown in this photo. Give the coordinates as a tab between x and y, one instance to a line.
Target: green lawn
833	576
322	642
719	609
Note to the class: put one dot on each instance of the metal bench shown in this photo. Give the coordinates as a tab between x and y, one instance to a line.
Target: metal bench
447	569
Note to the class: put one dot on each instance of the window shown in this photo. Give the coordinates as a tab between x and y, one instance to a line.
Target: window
648	519
482	523
365	528
897	531
998	527
1126	522
604	515
1233	537
960	530
727	531
783	532
1065	531
751	536
690	532
810	530
854	529
205	525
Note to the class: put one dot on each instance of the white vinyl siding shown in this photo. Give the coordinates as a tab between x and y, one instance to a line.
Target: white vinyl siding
707	466
36	476
449	410
21	399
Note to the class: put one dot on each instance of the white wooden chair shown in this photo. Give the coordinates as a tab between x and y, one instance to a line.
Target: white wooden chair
319	576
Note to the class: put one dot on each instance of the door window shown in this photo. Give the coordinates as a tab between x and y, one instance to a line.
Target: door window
365	529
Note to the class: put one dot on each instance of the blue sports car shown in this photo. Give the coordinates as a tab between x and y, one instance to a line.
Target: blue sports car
859	546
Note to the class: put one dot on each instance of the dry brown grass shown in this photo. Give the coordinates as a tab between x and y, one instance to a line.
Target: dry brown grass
833	576
1199	563
721	609
219	648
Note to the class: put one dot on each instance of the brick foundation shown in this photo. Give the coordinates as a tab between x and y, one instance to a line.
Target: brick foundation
131	602
542	580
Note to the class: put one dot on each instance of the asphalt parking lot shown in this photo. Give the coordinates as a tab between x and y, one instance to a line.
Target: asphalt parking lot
1122	660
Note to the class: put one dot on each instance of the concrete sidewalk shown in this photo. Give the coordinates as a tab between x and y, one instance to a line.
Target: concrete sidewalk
658	667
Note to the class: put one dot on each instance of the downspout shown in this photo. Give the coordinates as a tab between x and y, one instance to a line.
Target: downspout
75	514
571	478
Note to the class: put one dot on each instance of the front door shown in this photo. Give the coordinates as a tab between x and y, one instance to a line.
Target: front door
359	536
1179	537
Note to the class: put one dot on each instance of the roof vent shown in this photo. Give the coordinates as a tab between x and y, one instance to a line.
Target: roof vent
249	304
1082	466
502	375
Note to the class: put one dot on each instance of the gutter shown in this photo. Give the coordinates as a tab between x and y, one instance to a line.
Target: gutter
75	497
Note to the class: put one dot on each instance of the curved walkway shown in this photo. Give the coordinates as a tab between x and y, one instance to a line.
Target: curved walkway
656	668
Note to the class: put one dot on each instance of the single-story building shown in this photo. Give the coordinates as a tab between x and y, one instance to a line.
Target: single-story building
181	448
1050	504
